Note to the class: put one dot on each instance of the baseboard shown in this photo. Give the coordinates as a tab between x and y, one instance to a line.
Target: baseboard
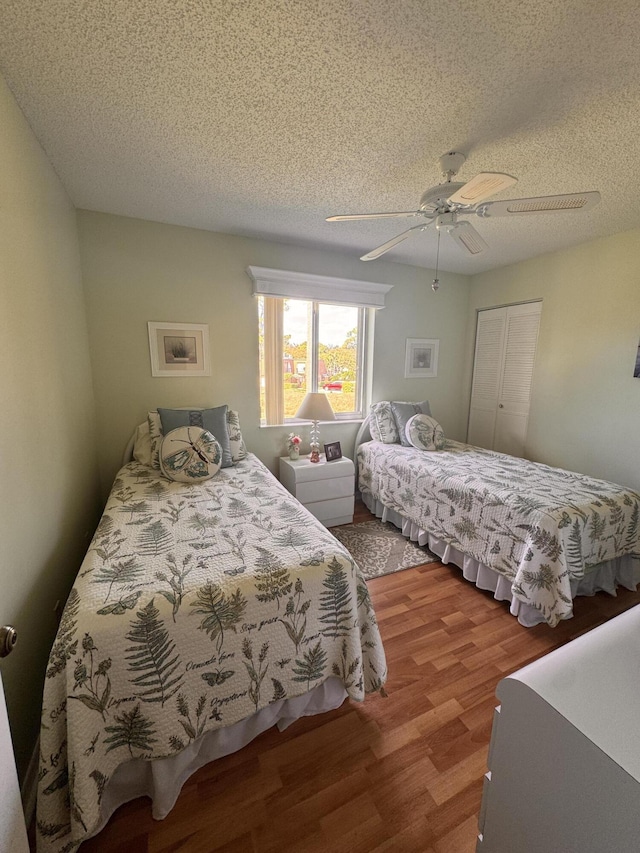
29	788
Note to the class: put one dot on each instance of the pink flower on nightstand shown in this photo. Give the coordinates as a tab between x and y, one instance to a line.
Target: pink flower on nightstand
293	441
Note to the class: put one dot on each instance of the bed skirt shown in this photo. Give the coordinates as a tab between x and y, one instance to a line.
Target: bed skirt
162	780
605	577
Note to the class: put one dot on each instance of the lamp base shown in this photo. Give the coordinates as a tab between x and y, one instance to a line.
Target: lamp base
314	440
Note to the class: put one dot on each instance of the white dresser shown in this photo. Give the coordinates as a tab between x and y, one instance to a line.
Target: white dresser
325	488
564	759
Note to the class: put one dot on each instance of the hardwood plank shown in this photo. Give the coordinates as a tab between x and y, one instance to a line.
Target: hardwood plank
401	774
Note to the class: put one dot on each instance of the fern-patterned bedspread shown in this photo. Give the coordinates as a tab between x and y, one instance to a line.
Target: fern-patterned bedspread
195	606
536	525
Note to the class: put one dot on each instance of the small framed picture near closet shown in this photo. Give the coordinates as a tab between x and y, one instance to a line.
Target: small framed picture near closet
421	358
179	349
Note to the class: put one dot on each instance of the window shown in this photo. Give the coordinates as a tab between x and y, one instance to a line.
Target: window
310	346
315	334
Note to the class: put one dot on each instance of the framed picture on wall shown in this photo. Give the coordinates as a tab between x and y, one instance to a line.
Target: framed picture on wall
179	349
421	358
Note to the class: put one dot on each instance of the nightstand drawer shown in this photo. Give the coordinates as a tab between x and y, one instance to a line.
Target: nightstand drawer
334	510
305	471
324	490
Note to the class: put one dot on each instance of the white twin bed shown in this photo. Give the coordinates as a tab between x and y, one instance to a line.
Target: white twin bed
202	615
535	536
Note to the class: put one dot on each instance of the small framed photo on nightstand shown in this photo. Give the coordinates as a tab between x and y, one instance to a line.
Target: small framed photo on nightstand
332	451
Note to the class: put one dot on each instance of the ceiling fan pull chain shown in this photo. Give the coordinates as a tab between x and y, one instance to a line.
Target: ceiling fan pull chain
436	281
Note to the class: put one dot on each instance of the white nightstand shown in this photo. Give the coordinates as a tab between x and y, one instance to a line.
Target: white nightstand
325	488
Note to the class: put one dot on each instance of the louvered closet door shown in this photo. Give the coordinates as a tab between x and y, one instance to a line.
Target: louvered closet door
506	340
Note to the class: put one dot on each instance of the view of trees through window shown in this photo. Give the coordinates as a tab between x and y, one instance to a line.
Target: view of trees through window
335	350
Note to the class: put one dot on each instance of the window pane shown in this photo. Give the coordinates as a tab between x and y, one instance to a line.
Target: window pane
338	356
307	346
296	351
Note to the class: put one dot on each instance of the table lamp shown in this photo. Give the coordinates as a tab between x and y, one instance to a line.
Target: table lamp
315	407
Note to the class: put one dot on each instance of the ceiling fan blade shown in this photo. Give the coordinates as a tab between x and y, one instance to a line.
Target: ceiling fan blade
468	238
541	204
375	253
350	216
482	186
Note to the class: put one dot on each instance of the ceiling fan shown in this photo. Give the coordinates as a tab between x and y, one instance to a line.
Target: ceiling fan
445	204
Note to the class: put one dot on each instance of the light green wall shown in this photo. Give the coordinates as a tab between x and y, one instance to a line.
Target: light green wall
585	408
135	271
48	494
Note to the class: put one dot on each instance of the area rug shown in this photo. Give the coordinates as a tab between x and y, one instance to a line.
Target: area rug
380	549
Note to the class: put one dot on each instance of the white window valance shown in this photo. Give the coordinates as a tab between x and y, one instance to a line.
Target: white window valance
317	288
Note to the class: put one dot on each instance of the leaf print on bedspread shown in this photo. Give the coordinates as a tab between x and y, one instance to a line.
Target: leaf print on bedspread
346	671
575	557
256	670
271	577
107	540
632	529
597	526
203	524
154	656
312	665
175	579
546	542
465	528
542	578
101	782
139	511
295	621
65	645
335	601
222	613
155	539
91	678
131	729
462	498
193	727
126	572
52	831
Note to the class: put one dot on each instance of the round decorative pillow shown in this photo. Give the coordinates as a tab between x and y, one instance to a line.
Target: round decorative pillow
190	454
424	432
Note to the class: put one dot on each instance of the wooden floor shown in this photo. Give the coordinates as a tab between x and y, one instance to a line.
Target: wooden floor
402	773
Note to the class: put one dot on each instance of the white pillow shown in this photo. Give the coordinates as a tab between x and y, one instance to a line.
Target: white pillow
236	442
190	454
382	425
142	445
155	437
425	433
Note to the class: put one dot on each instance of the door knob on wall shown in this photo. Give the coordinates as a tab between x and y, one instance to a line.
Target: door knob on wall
8	639
500	406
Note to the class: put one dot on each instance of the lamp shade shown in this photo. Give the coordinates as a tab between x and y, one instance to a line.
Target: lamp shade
316	407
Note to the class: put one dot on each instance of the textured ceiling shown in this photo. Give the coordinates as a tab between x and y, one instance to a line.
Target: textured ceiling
262	117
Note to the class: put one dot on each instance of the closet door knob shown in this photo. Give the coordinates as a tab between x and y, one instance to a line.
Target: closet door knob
500	406
8	639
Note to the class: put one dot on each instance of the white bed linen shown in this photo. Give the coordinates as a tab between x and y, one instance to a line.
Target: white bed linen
196	608
623	571
162	780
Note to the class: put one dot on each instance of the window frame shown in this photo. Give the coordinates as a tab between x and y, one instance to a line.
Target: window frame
365	295
363	326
